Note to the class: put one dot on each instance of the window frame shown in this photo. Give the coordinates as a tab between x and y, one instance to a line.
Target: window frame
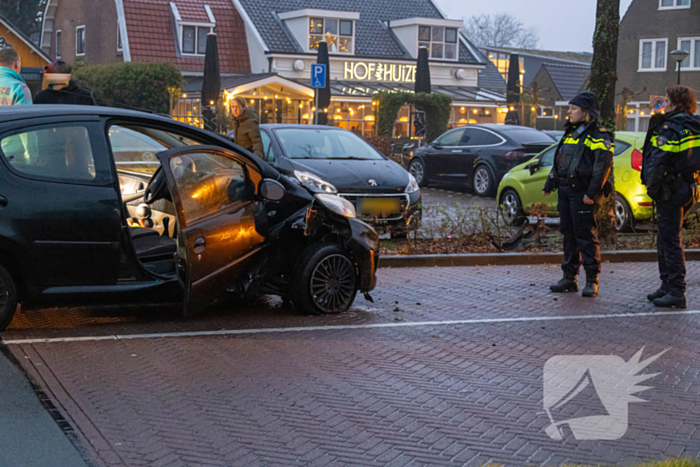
338	34
675	5
197	27
104	174
58	46
77	42
120	43
444	42
653	68
694	51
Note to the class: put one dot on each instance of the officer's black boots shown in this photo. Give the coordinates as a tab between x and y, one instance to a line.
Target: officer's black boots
673	299
565	285
591	288
660	292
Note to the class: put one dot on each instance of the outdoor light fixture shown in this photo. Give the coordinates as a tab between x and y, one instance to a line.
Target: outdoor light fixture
512	108
252	101
184	96
679	55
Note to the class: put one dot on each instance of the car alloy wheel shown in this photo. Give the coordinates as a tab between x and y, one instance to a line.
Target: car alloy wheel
333	284
482	181
510	207
8	298
417	170
623	215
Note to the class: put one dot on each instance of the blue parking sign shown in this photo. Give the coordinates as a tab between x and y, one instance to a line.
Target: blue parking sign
318	75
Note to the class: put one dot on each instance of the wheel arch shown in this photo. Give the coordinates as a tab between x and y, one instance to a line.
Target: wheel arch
15	268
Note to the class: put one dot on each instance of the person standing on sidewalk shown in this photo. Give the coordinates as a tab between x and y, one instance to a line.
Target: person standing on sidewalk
13	88
670	164
62	89
581	170
246	129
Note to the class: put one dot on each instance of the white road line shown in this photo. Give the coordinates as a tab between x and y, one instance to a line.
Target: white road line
234	332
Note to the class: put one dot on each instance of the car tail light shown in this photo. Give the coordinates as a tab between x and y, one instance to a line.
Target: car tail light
515	154
645	204
637	160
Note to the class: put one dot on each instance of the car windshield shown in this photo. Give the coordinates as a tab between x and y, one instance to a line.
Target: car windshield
303	143
528	136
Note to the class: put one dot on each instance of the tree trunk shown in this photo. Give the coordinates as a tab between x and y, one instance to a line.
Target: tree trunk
602	84
604	66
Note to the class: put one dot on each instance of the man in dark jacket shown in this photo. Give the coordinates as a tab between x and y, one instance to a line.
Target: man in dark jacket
62	89
670	163
582	166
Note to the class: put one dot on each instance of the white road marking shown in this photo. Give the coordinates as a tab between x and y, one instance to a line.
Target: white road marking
234	332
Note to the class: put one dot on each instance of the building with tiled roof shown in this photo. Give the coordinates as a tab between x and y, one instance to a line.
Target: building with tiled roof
111	31
267	47
557	84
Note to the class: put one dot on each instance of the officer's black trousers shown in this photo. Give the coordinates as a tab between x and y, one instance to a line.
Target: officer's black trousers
669	246
578	225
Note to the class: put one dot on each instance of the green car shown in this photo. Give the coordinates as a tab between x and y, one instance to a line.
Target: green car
521	188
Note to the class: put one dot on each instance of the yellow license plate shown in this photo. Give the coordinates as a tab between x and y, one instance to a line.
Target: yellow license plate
379	206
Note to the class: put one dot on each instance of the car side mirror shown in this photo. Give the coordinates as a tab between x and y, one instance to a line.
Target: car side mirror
534	166
271	190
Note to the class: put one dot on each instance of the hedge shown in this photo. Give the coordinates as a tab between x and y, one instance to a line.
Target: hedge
437	109
139	86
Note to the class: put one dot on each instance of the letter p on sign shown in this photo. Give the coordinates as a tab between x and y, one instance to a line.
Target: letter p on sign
318	75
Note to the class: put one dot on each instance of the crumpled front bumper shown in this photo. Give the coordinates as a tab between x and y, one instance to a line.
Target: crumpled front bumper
364	245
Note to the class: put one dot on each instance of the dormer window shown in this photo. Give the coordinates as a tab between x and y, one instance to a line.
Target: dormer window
192	35
311	26
440	41
194	39
338	33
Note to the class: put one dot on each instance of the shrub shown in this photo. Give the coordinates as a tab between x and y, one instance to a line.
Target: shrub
140	86
437	109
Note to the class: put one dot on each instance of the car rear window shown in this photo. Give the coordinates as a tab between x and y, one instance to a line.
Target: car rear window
620	147
528	136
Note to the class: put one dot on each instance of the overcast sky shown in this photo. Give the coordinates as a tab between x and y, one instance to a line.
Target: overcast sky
562	24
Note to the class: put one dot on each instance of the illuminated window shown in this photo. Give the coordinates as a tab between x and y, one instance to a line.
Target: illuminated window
441	42
338	33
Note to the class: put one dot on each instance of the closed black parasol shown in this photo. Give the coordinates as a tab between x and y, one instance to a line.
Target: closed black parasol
513	91
211	85
323	95
422	85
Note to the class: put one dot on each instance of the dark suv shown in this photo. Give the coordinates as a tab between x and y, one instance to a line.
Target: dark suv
477	156
100	205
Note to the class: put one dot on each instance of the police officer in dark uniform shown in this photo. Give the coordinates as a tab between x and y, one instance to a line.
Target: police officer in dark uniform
670	165
581	173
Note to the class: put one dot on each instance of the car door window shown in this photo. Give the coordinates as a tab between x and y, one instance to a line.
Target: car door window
63	152
208	183
268	151
135	147
451	138
477	137
548	157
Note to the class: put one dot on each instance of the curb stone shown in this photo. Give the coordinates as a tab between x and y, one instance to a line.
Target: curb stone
515	259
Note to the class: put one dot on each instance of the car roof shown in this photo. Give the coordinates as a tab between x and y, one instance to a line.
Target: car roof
277	126
18	112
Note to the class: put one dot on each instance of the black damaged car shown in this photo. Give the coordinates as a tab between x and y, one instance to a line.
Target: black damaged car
104	206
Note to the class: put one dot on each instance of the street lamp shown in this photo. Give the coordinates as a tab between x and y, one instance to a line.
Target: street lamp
679	55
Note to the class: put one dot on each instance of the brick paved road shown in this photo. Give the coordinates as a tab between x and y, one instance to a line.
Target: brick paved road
437	394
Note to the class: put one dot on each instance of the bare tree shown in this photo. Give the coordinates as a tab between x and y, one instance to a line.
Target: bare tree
500	30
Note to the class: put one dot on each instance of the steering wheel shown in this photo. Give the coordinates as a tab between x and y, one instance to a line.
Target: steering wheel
156	187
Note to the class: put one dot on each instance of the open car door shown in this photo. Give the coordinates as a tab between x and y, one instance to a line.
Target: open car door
213	196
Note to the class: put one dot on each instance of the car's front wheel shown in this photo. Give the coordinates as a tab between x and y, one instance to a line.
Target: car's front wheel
483	181
8	298
325	280
512	208
417	169
624	219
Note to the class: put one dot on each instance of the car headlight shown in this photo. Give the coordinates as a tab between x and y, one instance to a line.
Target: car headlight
412	184
338	205
313	181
